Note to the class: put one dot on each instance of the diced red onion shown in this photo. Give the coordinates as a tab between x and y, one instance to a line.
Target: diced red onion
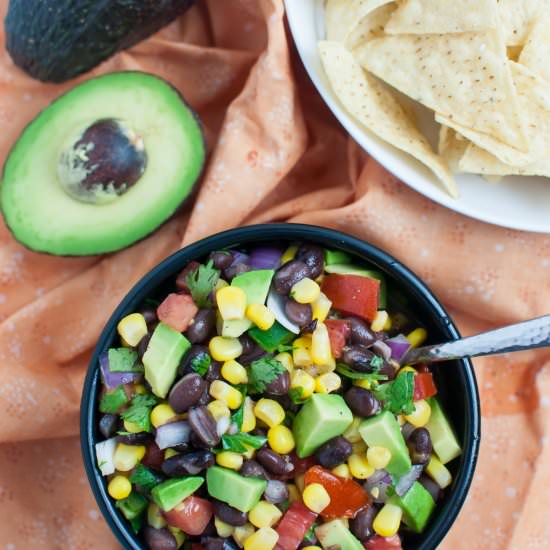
172	434
399	345
276	491
431	486
382	349
275	302
379	481
406	482
105	452
265	257
238	258
222	425
114	379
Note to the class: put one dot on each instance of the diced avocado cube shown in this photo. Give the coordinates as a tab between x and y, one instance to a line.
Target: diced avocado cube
255	284
336	257
335	534
383	431
234	489
272	338
162	358
132	506
322	417
417	505
170	493
444	441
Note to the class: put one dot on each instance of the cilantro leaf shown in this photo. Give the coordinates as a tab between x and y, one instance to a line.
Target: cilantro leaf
201	282
262	372
237	442
344	370
397	395
281	348
139	410
376	363
297	395
123	360
112	401
144	477
238	417
200	363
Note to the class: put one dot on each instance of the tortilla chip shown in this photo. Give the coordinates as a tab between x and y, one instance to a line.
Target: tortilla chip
443	16
536	53
464	77
452	147
371	26
517	18
367	100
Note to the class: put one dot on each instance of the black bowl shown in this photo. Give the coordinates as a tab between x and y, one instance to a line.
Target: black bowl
455	380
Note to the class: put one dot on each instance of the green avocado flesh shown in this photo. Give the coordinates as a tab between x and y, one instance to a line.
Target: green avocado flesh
417	505
335	534
170	493
44	217
444	441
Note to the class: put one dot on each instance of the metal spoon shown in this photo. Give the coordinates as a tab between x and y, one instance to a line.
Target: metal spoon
531	334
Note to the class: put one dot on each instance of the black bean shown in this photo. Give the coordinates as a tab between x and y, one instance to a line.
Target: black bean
361	524
362	402
359	358
186	392
288	275
143	343
251	350
205	398
300	314
108	424
280	385
229	514
238	269
213	372
310	327
181	279
431	486
251	468
185	363
150	314
334	452
313	256
141	438
203	425
389	369
276	491
217	543
273	462
202	326
159	539
361	334
221	259
188	464
419	444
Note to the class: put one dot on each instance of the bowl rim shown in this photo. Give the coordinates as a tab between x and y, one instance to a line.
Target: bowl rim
262	232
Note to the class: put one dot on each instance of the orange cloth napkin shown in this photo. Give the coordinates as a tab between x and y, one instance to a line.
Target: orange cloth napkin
276	154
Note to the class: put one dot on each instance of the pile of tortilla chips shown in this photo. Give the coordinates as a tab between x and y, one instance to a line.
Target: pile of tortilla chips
481	66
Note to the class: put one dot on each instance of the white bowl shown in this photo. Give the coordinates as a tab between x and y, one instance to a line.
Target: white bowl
515	202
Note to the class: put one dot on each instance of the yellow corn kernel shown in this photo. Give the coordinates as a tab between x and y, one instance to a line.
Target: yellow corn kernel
359	447
161	414
303	341
220	283
439	472
231	302
421	414
407	368
124	343
132	427
293	493
300	482
132	328
320	345
228	394
178	534
352	433
311	548
169	453
365	384
280	439
379	321
388	324
378	457
250	452
289	254
301	357
316	497
249	420
140	389
321	307
301	379
154	516
305	291
359	466
234	372
286	360
264	514
127	456
224	348
269	411
218	409
242	532
417	337
229	459
387	521
401	419
342	470
327	383
263	539
223	529
260	315
119	487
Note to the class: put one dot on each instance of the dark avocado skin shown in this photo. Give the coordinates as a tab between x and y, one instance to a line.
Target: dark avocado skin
56	40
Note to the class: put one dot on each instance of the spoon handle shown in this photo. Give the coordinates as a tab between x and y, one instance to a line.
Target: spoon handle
534	333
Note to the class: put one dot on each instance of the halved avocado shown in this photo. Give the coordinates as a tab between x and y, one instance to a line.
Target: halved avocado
102	167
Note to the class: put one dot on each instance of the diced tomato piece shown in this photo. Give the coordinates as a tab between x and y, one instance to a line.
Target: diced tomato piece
424	386
347	497
177	311
294	525
339	331
422	368
301	465
191	515
383	543
154	457
353	294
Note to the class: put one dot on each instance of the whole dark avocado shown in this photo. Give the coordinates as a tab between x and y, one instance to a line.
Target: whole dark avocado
56	40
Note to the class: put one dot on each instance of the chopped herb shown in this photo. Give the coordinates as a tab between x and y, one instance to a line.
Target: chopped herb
139	411
289	419
397	395
200	363
237	443
283	506
101	464
132	506
376	363
276	338
201	282
136	523
238	416
124	360
262	372
144	477
297	395
344	370
310	534
282	348
124	433
112	401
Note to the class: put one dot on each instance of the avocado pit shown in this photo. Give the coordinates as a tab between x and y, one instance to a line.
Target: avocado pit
106	160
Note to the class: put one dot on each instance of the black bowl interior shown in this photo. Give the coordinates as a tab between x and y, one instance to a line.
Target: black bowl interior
455	380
